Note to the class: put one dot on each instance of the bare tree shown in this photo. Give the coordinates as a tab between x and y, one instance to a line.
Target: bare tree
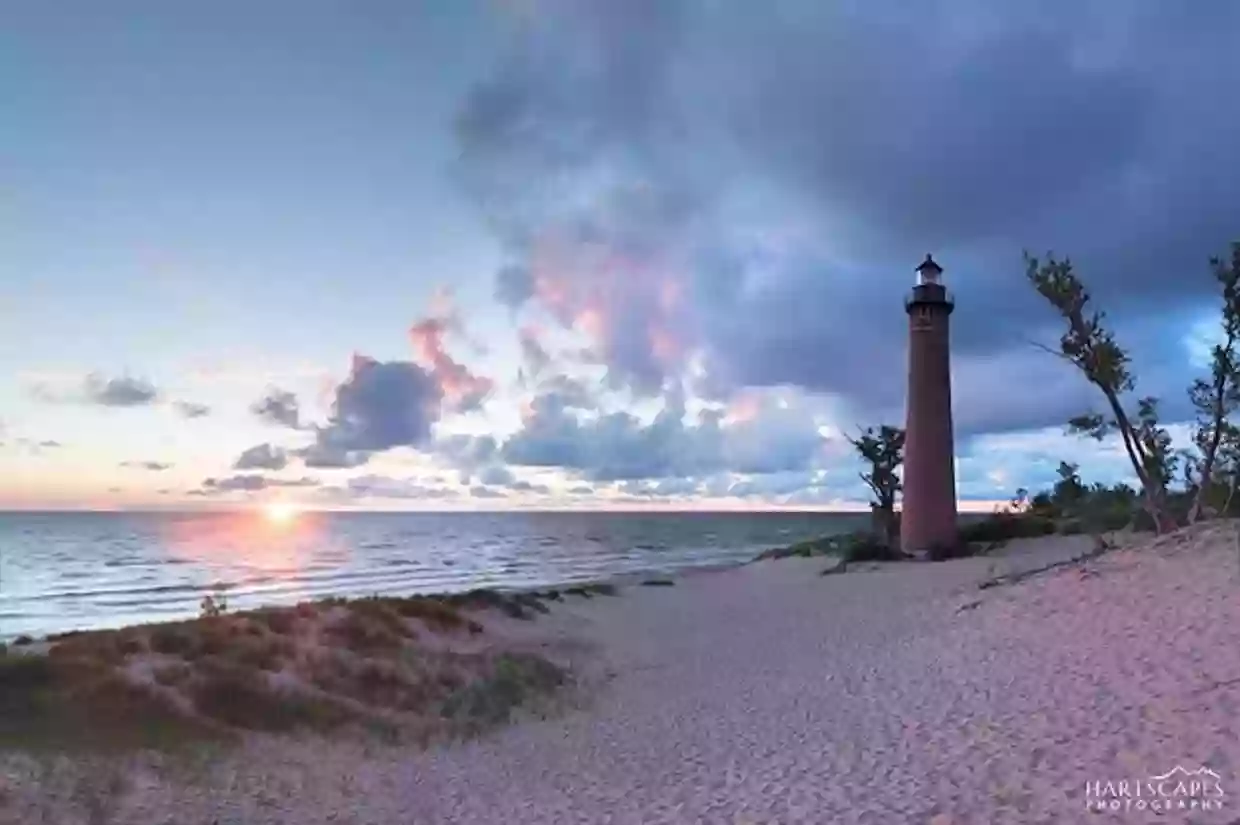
883	451
1091	348
1217	398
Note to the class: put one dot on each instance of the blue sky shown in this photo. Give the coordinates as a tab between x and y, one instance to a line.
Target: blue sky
546	253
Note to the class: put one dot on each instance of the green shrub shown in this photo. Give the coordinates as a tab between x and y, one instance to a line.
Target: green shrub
514	679
1005	526
959	550
432	612
241	697
868	547
277	619
365	634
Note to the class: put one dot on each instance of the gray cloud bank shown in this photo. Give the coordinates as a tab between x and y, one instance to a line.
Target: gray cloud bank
684	178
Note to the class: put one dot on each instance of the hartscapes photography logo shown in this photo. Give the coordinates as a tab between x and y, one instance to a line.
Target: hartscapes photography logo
1179	789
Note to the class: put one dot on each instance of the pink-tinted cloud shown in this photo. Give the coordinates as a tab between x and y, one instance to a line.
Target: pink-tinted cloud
461	388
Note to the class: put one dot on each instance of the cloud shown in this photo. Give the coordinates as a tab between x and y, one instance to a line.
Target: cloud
36	447
151	466
322	456
119	392
381	405
522	486
462	390
479	491
513	286
664	488
568	392
250	483
774	436
190	409
280	407
469	454
533	354
387	487
751	191
94	388
262	457
497	476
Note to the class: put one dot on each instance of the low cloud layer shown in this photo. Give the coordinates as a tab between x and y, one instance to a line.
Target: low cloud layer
191	409
251	483
262	457
149	466
771	437
97	389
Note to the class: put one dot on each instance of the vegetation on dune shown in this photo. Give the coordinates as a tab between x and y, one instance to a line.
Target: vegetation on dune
882	451
361	665
1211	466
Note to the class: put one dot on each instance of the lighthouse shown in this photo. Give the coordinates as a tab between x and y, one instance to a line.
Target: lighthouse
928	518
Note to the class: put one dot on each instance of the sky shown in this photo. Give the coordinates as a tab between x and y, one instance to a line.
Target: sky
583	253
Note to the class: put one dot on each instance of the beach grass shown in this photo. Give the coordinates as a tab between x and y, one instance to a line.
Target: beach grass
426	665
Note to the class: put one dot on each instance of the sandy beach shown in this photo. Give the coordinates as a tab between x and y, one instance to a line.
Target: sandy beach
771	694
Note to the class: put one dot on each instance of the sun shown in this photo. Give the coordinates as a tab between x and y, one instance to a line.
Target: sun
280	512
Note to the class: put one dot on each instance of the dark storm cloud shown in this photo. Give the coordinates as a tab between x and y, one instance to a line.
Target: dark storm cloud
756	187
262	457
280	407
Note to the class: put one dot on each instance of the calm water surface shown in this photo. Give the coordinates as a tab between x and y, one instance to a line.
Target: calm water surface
64	571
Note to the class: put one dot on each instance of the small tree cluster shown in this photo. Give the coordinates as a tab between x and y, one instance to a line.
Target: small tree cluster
1090	346
1211	468
1215	399
883	452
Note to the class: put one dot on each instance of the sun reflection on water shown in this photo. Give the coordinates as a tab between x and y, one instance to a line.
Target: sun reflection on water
278	539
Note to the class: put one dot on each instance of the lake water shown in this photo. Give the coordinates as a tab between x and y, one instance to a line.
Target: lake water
66	571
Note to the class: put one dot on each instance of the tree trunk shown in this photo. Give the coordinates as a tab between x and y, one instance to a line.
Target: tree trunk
1156	506
1219	414
1155	494
882	523
1207	470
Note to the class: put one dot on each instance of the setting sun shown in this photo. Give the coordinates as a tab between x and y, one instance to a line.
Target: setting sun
280	512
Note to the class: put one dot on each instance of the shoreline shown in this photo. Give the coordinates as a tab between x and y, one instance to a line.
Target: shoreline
624	578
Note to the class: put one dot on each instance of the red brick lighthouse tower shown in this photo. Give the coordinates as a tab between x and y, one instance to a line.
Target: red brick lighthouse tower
928	520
